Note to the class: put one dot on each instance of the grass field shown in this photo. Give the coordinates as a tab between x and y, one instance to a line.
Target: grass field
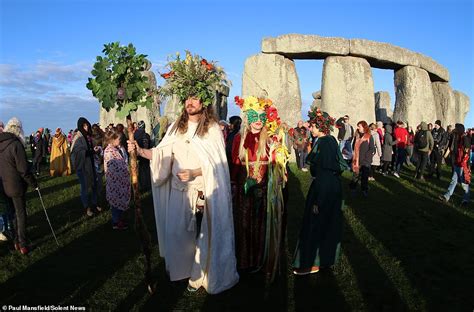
403	250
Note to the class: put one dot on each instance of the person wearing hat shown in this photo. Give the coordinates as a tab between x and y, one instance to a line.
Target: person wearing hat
440	140
144	141
321	231
191	185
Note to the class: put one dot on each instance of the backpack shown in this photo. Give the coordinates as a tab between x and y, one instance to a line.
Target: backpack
421	141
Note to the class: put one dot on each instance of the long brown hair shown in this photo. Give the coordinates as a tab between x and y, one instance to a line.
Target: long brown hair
208	117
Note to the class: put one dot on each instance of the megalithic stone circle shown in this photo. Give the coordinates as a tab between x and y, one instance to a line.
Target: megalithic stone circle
421	84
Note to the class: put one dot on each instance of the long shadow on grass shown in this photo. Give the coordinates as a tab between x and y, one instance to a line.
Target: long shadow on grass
434	243
52	188
73	273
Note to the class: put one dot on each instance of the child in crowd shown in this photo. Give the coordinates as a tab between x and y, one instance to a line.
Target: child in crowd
117	177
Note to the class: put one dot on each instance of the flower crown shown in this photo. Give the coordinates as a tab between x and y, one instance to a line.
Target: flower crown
193	76
252	104
321	120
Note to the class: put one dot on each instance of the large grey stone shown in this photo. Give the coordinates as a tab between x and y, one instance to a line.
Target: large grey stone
379	54
305	46
317	99
445	103
274	76
462	106
142	113
389	56
383	111
348	88
172	108
414	96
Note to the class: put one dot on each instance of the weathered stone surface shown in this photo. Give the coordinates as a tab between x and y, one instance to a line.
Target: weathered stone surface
142	113
274	76
171	110
317	99
436	71
414	96
445	103
348	88
462	106
383	111
379	54
305	46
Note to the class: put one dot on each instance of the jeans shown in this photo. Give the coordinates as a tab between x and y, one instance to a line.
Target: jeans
19	219
84	191
435	162
421	164
116	215
401	156
458	176
363	177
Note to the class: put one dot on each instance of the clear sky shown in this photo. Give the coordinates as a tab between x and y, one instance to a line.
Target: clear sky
47	47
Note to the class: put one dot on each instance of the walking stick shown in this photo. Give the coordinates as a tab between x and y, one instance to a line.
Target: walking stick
47	217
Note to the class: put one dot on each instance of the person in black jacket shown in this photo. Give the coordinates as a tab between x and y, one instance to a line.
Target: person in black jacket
144	141
440	139
15	177
39	150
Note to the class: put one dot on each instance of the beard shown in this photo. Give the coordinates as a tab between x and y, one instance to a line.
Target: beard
193	111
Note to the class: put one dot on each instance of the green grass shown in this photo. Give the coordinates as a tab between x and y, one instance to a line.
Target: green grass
402	250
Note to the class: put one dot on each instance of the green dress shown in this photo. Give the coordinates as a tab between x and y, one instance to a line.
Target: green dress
320	237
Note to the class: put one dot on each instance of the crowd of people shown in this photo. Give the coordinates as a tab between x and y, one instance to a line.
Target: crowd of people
219	188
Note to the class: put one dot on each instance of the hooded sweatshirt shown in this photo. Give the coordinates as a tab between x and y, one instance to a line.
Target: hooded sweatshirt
14	170
429	138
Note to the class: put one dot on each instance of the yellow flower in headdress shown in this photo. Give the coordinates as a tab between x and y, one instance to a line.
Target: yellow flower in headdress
272	127
251	102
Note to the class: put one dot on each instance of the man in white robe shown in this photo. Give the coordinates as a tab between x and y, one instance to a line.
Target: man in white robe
190	159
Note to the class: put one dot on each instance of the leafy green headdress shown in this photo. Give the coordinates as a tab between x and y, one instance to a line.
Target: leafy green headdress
193	76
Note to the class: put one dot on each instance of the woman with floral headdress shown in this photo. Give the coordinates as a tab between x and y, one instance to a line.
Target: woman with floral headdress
258	175
321	231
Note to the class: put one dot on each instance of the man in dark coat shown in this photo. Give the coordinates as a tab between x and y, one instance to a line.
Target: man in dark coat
15	177
39	151
440	139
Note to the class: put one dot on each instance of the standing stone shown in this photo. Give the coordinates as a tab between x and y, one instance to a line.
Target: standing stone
274	76
445	103
348	88
462	106
317	99
142	113
172	108
220	102
414	96
383	111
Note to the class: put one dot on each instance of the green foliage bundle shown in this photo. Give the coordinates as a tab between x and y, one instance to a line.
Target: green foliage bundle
118	81
193	76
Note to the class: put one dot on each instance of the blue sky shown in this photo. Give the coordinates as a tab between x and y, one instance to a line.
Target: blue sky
47	48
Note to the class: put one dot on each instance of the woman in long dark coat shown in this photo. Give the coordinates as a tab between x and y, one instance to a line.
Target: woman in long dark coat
321	231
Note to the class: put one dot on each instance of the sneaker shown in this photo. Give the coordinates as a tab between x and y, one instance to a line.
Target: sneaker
191	288
304	169
3	238
396	174
313	269
89	212
120	226
443	198
24	250
99	209
371	179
